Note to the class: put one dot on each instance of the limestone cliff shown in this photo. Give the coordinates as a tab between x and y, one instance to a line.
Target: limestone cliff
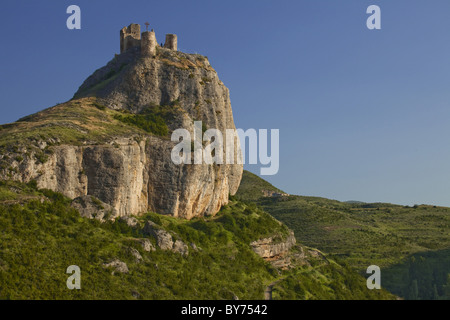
80	147
284	253
269	248
275	249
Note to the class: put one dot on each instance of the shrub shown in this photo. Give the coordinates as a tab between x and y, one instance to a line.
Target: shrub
32	184
41	157
99	106
152	119
97	203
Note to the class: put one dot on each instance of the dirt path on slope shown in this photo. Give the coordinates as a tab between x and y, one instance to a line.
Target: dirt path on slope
269	288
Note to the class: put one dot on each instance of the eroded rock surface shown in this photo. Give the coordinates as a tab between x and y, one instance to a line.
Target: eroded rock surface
275	250
92	208
117	265
131	175
269	247
164	239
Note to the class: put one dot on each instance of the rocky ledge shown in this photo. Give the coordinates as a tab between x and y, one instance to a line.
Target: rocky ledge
275	249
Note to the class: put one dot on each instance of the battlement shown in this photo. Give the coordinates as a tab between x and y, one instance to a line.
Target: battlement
131	37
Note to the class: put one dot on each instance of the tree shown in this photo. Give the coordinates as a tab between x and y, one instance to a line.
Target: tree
413	291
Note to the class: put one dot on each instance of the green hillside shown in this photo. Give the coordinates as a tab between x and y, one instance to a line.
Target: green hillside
42	235
364	234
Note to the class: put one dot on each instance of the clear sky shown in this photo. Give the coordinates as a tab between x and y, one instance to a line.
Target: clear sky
363	115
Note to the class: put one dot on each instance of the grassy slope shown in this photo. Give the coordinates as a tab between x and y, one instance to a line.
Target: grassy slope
73	122
362	234
41	236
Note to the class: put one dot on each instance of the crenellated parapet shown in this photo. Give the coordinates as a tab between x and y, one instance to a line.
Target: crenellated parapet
131	37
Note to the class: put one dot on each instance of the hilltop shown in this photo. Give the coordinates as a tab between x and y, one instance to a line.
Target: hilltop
112	140
410	244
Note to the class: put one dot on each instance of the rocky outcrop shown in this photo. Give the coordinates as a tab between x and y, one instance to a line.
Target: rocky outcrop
273	194
133	176
164	239
269	247
173	78
285	253
130	221
146	245
117	265
135	253
180	247
275	250
92	208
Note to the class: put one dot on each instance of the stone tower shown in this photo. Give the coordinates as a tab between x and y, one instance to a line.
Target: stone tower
130	37
171	42
148	44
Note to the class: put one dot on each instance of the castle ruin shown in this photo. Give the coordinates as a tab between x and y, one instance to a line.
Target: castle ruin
131	37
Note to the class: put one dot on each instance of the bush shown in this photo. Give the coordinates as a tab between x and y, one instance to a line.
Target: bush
99	106
152	119
41	157
97	203
32	184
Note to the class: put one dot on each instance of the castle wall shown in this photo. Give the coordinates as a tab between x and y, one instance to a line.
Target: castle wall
130	37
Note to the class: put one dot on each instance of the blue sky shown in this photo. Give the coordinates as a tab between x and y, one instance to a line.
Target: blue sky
363	115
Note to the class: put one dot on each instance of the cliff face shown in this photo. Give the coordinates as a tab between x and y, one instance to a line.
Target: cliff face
80	148
277	251
268	248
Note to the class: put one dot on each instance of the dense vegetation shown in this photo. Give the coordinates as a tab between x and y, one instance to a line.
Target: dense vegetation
364	234
42	235
152	119
423	276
